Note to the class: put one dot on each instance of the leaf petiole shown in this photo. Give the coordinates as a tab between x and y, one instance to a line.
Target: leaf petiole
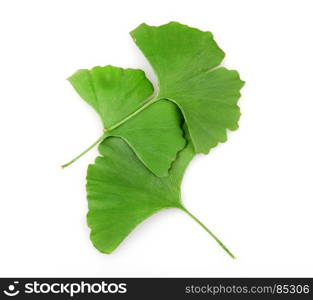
98	141
148	103
209	232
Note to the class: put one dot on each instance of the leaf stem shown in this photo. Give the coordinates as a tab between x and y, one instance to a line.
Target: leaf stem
99	140
209	232
148	103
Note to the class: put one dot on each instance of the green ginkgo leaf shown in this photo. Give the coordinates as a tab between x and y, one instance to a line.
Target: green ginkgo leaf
185	60
122	193
118	95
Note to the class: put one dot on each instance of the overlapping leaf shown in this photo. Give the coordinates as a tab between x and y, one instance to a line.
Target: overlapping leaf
154	133
185	61
122	193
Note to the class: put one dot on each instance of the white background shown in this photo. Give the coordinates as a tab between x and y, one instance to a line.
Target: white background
254	192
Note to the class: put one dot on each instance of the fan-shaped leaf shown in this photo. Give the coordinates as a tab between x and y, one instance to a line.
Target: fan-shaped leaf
185	61
154	132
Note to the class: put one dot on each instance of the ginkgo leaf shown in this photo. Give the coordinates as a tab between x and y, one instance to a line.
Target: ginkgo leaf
185	61
120	98
122	193
113	92
155	135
